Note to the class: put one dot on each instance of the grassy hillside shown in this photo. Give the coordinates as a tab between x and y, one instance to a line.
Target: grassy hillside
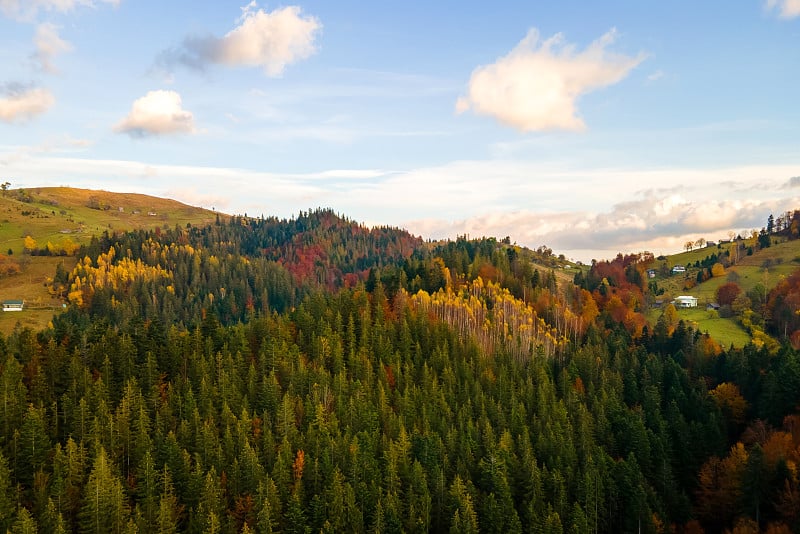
58	213
62	215
766	267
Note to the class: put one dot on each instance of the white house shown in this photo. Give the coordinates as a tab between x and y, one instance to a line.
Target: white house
678	269
685	301
13	305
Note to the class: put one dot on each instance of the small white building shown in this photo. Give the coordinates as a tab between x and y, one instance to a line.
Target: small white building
13	305
678	269
685	301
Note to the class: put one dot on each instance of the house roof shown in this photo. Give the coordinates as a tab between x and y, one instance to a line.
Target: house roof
12	302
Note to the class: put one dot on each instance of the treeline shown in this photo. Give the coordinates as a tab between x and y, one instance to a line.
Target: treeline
243	266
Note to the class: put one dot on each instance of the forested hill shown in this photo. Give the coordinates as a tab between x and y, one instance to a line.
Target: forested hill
314	375
240	266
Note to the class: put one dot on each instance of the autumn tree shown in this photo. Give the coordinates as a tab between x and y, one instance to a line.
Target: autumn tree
28	244
727	293
719	492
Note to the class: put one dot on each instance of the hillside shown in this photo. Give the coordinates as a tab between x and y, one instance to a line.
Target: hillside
64	216
313	374
315	246
758	271
58	213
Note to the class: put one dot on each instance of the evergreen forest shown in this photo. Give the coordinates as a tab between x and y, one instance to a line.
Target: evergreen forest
264	375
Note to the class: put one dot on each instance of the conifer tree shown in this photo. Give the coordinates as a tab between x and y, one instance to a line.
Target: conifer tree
105	508
25	523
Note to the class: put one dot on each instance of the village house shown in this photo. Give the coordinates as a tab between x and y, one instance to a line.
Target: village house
13	305
678	269
685	301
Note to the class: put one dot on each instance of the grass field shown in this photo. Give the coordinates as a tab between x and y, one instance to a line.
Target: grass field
58	213
30	287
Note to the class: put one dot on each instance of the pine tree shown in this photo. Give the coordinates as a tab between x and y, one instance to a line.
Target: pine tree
25	523
465	520
147	490
34	445
169	510
105	509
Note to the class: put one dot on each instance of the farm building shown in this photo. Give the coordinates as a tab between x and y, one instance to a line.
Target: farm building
13	305
678	269
685	301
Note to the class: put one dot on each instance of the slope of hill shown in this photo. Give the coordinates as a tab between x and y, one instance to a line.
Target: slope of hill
58	213
754	270
67	217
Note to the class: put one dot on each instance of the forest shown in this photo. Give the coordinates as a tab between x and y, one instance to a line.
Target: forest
314	375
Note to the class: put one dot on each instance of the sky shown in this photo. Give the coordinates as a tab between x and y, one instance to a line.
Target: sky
590	127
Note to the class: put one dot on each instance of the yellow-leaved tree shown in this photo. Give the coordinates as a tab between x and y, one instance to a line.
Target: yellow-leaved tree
730	401
29	244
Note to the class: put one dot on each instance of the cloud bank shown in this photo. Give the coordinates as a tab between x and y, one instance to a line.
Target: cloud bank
21	104
787	9
157	113
270	40
48	45
536	86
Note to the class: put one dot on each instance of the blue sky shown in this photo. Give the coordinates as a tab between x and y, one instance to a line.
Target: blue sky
591	127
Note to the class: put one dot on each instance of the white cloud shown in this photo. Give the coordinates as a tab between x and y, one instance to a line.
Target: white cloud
270	40
48	45
24	104
627	227
536	86
157	113
27	10
657	75
787	9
